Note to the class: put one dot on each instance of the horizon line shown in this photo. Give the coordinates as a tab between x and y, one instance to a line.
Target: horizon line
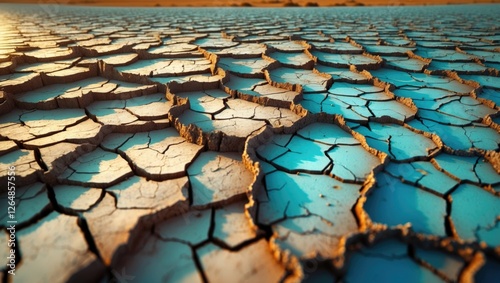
243	4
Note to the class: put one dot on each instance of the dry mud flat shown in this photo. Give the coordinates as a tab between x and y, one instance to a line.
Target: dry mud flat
251	145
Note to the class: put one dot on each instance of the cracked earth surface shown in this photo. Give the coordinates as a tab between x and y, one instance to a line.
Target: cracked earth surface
250	145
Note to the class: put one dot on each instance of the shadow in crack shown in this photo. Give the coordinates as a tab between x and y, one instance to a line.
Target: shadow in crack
387	261
489	272
11	158
159	261
218	178
393	202
299	155
41	117
51	92
98	168
237	66
77	198
286	196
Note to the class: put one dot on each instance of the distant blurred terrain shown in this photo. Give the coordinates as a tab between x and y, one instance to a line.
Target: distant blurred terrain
251	3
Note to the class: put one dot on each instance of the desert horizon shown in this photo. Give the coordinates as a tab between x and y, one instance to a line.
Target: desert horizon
249	3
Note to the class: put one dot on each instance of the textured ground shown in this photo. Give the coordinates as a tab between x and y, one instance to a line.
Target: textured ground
247	3
230	145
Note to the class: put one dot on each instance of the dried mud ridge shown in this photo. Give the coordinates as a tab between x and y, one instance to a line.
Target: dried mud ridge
216	145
